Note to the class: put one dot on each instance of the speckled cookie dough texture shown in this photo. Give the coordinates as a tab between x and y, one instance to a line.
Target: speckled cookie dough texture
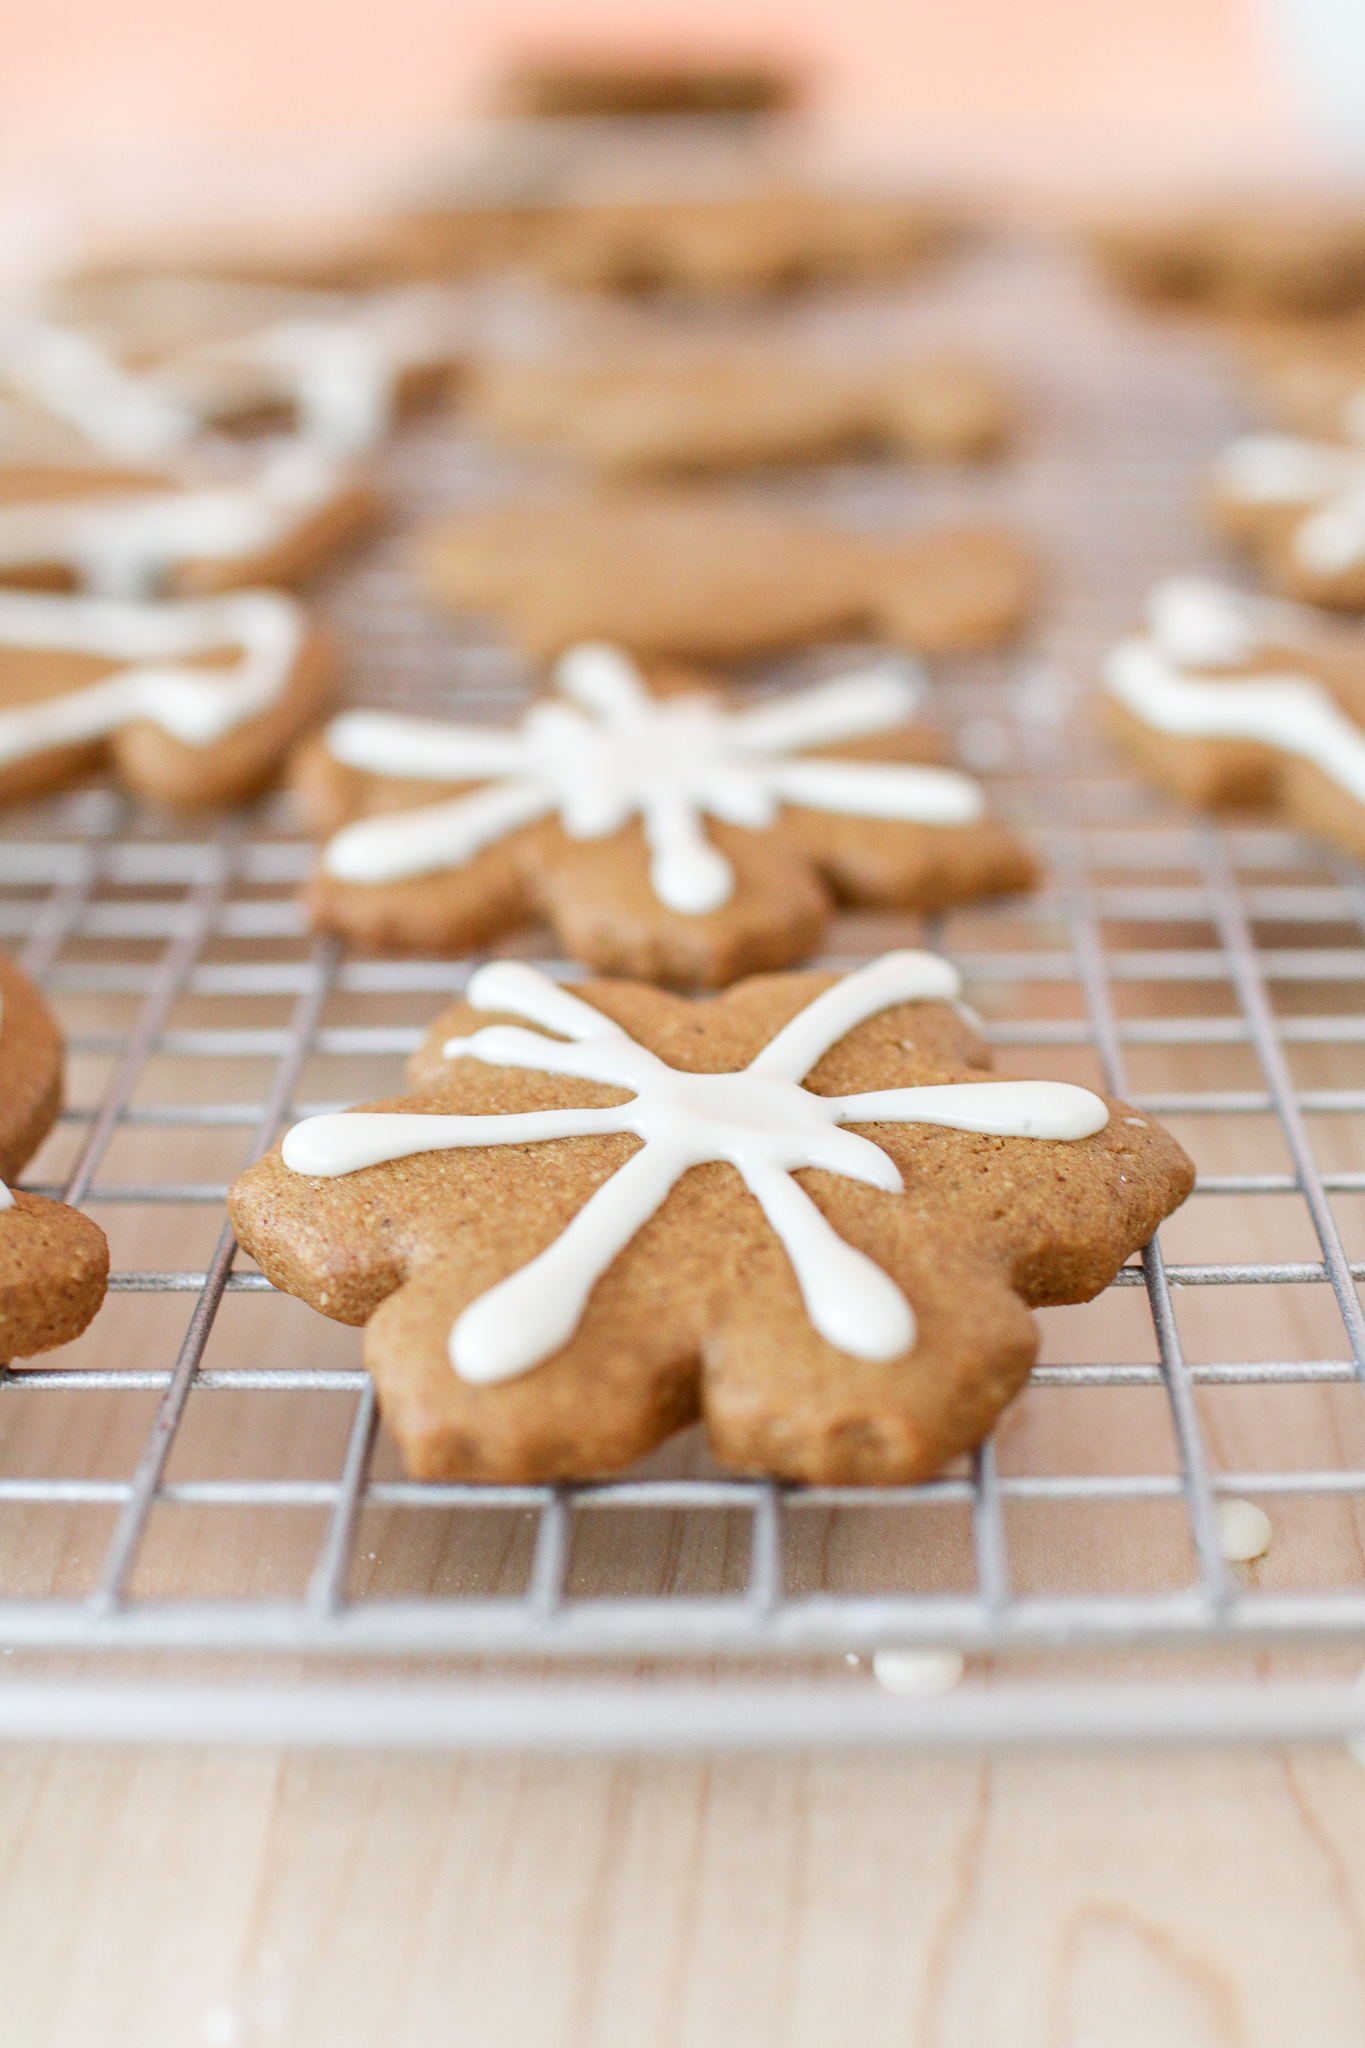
801	1212
54	1262
665	831
694	575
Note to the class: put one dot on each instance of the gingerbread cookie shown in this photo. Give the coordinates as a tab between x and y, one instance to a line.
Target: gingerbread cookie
1236	700
1299	506
728	414
190	703
756	242
663	834
152	362
565	1247
133	533
1252	256
556	88
698	576
54	1262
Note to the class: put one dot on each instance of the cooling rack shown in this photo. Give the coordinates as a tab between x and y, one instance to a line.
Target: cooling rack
204	1533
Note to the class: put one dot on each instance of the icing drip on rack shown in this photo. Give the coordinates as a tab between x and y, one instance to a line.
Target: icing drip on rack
761	1121
1201	624
606	751
153	642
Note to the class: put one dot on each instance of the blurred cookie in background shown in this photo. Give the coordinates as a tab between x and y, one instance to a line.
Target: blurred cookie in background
736	412
1238	256
690	573
554	85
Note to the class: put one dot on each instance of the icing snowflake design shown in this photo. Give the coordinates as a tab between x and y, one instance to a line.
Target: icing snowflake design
1323	478
607	751
760	1120
1198	624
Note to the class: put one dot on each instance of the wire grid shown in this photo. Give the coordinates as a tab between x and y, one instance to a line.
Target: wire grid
139	927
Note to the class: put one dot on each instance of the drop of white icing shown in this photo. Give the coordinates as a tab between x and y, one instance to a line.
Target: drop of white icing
918	1674
1244	1530
760	1120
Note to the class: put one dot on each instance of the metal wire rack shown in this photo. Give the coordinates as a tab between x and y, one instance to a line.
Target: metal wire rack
202	1476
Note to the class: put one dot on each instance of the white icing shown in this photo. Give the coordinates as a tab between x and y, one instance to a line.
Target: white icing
760	1121
1195	623
1324	478
606	751
341	372
123	546
151	642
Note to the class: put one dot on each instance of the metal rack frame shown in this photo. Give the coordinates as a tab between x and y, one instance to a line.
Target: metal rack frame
87	872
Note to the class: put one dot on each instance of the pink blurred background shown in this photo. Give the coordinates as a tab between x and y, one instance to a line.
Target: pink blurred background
137	106
80	70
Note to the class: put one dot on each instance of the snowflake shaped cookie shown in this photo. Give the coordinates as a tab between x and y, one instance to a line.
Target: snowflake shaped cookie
671	836
54	1262
577	1240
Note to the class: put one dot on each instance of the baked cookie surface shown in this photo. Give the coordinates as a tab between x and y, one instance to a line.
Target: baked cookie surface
800	1210
54	1262
694	575
664	833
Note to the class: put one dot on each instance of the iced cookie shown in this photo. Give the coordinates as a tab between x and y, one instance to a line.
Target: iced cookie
54	1262
801	1211
133	533
191	703
691	575
666	836
144	365
1299	507
1239	257
728	414
1232	700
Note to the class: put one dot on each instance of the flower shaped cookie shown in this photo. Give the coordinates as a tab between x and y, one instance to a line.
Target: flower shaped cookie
799	1209
666	837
